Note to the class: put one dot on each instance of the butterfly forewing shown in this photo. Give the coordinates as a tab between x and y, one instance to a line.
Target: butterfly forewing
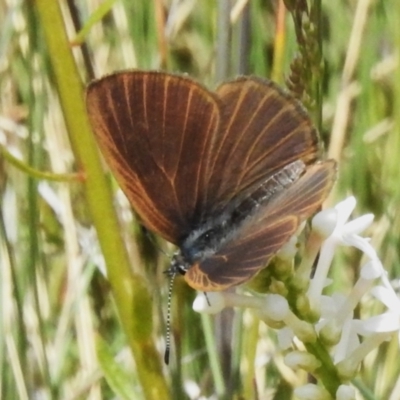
155	131
264	233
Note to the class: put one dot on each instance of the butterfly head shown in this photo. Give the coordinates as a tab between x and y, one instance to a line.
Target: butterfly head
178	265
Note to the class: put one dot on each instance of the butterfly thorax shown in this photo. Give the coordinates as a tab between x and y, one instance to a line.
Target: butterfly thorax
210	236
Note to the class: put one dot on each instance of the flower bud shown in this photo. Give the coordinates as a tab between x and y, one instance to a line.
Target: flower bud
324	223
345	392
210	303
330	333
312	392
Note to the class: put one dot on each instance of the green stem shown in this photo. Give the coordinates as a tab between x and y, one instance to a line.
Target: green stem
316	18
327	373
34	173
130	291
215	364
223	55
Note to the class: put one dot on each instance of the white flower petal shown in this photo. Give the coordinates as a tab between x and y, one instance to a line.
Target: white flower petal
348	342
387	322
360	243
359	328
317	283
358	225
192	389
388	297
345	208
372	269
285	338
328	306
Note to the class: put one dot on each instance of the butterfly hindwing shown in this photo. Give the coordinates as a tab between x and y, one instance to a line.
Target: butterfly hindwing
264	233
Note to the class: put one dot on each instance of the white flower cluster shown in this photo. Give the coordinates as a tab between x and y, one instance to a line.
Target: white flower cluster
336	329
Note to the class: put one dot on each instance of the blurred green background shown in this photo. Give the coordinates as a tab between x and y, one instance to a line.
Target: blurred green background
61	337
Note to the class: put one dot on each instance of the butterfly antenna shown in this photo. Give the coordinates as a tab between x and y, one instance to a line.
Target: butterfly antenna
168	332
208	300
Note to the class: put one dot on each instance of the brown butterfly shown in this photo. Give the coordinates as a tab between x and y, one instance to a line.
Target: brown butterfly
227	176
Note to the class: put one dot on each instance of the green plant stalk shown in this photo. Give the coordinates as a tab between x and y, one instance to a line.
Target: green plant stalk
391	164
101	11
215	363
8	262
130	292
223	55
363	389
327	373
32	264
251	340
34	173
316	19
279	45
